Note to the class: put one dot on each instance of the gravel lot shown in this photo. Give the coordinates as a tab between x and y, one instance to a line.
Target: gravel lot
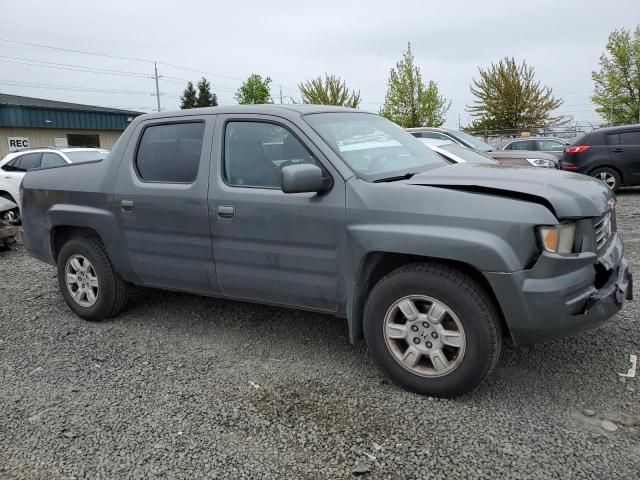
181	386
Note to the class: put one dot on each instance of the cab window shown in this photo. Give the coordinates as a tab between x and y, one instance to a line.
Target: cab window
255	153
170	153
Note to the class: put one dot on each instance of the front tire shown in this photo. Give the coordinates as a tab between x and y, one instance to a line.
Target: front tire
87	280
432	329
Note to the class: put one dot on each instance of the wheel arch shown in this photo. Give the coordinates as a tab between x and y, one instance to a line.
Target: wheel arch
375	265
61	234
610	167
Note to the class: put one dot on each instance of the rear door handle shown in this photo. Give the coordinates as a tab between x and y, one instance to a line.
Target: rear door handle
126	205
618	150
226	211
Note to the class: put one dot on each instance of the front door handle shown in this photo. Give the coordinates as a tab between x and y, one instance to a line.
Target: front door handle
226	211
618	150
126	205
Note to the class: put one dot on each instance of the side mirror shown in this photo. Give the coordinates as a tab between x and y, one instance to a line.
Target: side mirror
302	178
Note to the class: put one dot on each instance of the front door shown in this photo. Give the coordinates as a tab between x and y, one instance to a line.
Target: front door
161	203
270	246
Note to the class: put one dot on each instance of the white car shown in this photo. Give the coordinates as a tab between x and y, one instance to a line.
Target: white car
14	165
455	153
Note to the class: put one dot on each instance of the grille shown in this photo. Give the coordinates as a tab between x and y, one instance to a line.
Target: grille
603	230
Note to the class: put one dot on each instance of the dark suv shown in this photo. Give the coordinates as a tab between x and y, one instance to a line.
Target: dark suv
609	154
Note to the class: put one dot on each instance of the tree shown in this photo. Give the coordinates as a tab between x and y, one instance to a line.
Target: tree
508	97
254	90
410	102
189	97
330	91
617	83
206	98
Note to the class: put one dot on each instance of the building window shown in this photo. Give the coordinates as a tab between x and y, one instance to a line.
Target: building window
83	140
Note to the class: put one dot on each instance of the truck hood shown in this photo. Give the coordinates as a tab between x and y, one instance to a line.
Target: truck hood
566	194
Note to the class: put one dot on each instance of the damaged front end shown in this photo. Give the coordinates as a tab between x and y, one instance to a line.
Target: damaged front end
8	223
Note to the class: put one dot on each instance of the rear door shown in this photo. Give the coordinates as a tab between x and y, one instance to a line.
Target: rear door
624	148
270	246
160	199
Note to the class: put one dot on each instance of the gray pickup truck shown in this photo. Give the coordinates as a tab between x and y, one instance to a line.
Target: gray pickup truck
338	211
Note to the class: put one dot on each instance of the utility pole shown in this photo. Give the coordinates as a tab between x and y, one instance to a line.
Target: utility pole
280	94
459	124
155	69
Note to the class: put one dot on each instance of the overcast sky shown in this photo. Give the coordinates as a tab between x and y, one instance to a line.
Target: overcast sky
293	41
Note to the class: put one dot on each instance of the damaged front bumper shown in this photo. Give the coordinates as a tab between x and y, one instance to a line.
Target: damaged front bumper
563	295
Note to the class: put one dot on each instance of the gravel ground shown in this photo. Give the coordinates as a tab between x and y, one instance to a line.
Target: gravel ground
181	386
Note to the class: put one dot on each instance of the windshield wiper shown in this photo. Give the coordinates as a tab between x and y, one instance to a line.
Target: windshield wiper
404	176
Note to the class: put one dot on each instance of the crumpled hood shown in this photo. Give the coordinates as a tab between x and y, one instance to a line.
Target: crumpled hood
566	194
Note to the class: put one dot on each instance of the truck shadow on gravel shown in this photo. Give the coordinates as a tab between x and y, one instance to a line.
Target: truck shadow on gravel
567	368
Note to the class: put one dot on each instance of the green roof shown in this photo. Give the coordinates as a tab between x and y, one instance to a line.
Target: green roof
27	112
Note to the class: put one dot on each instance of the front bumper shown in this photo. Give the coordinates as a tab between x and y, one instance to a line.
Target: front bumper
563	295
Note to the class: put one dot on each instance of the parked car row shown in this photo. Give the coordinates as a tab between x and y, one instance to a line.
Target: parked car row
611	155
510	157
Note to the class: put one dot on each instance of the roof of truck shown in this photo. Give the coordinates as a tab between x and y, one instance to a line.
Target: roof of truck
259	109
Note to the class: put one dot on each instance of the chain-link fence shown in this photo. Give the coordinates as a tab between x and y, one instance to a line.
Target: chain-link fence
566	132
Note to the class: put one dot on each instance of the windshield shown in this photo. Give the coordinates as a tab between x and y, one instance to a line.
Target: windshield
474	141
467	154
86	155
372	146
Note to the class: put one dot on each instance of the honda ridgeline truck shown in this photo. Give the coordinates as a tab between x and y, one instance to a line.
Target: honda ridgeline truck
337	211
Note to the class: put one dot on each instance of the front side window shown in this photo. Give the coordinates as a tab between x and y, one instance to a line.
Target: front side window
255	153
170	153
372	146
52	160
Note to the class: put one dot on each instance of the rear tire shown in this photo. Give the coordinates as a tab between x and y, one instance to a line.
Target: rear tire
443	354
609	176
87	280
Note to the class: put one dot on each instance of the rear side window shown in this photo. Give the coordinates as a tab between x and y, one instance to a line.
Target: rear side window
523	145
170	153
624	138
437	136
29	161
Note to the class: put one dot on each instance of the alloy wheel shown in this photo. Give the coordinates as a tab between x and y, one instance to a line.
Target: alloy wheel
424	336
81	280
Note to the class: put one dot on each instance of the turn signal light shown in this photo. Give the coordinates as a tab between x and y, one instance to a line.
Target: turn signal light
576	149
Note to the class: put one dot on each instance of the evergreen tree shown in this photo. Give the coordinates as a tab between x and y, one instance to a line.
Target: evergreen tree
409	101
189	97
206	98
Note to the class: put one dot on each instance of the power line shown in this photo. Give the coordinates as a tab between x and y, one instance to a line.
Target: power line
84	52
14	83
71	69
128	72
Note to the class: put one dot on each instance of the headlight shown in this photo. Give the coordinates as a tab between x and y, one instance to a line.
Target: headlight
541	162
558	238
